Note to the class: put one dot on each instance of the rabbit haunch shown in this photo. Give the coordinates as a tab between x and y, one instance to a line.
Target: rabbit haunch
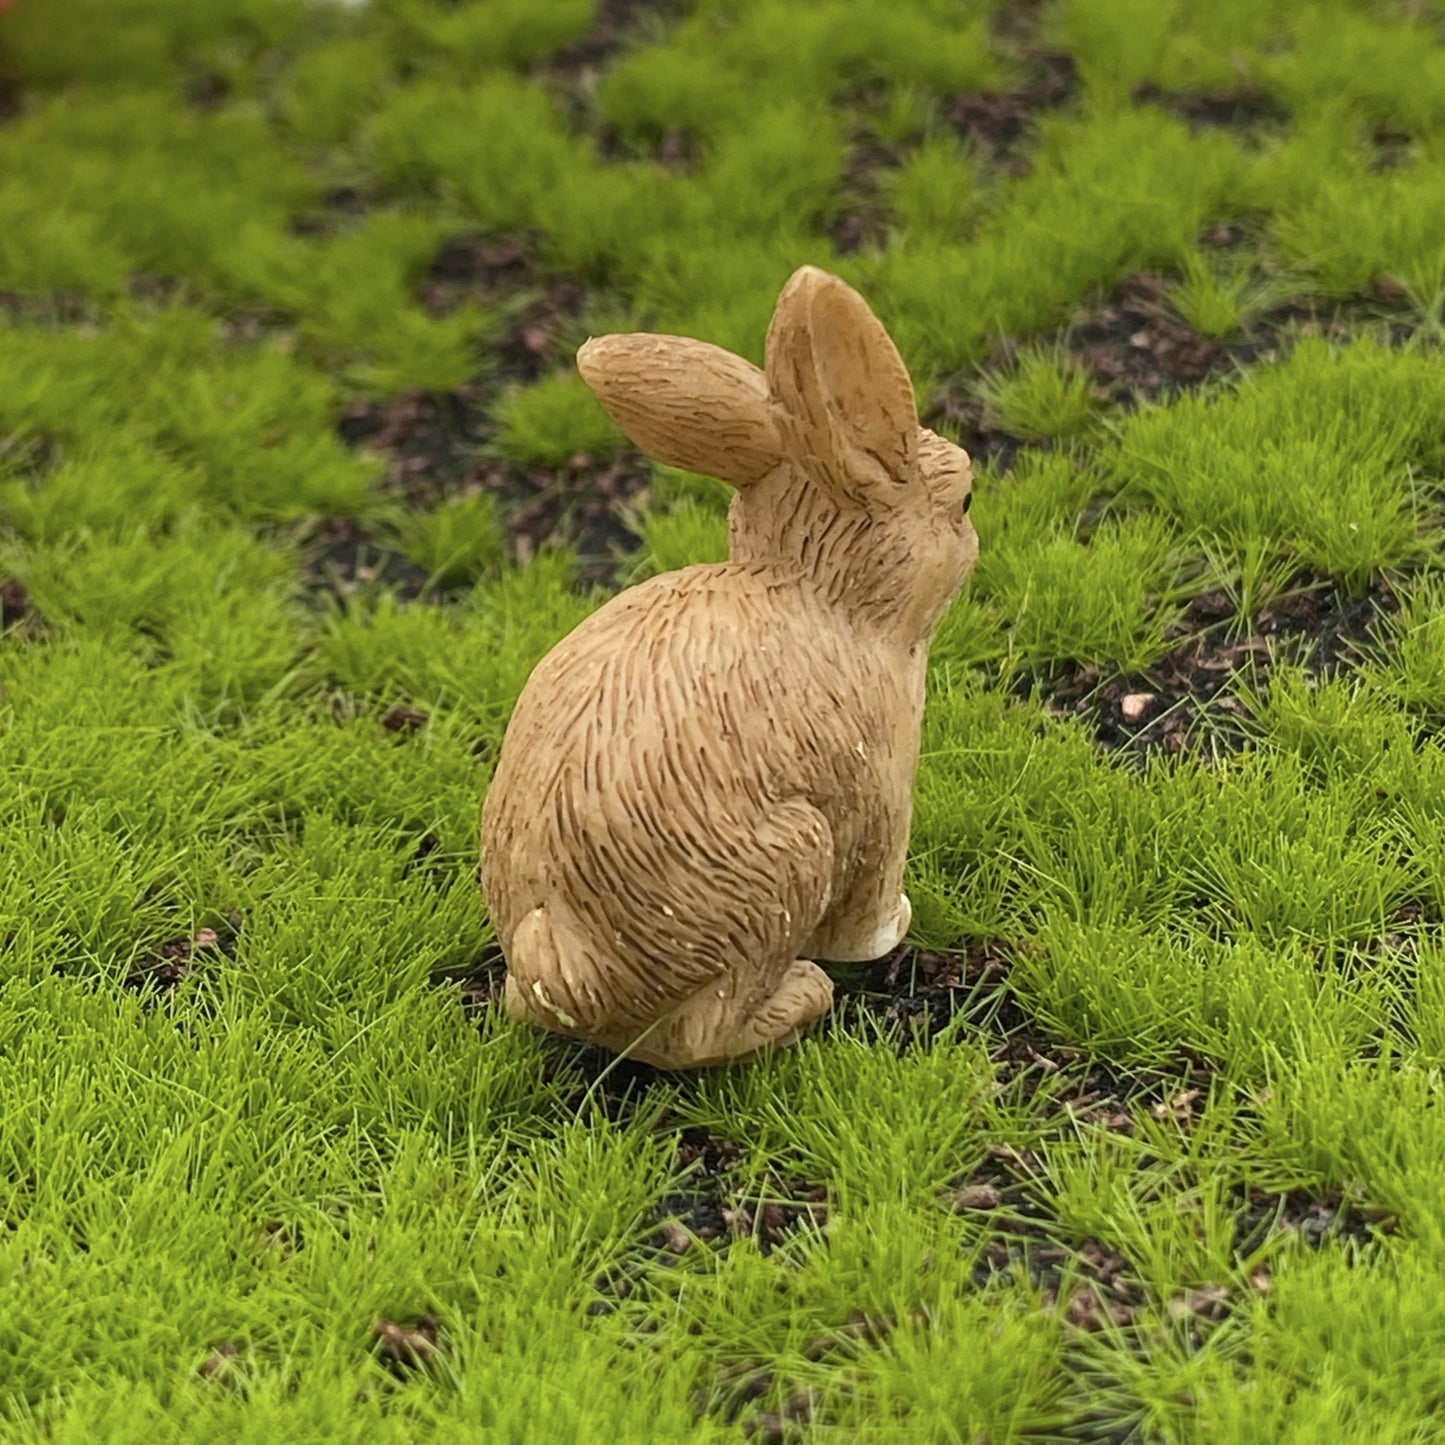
708	783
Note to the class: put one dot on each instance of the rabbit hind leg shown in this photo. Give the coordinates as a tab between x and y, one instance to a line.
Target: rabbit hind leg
770	1003
803	997
710	1028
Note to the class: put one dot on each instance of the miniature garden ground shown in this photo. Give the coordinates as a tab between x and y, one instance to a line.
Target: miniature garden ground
1139	1138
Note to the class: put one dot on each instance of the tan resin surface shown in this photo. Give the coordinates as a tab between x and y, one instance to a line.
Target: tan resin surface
707	785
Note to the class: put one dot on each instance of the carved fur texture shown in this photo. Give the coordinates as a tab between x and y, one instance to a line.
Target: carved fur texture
707	785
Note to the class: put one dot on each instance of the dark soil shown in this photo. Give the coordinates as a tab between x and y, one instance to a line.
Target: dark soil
998	124
224	1363
585	505
1017	1236
618	24
11	100
788	1422
713	1203
573	72
342	557
916	993
543	307
206	90
862	218
1137	347
431	441
678	150
1392	147
1314	1220
1132	343
736	1387
955	410
441	447
164	966
1189	699
912	995
1383	311
339	206
1091	1283
1241	107
481	984
16	609
437	452
404	721
29	455
475	264
55	308
1023	1240
403	1348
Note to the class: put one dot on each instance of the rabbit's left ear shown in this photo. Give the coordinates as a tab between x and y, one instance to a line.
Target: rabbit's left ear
686	403
842	382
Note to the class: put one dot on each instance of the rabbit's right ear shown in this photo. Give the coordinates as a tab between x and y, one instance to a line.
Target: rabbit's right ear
844	387
686	403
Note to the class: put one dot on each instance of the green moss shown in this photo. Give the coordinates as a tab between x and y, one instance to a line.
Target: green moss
1311	459
1215	299
1388	73
553	421
457	542
1044	394
152	187
723	289
1118	193
671	486
498	144
1117	43
1354	229
1226	966
1311	59
252	425
100	491
331	89
690	532
1414	667
500	33
1098	601
776	175
932	194
139	43
1248	1002
705	77
354	298
475	659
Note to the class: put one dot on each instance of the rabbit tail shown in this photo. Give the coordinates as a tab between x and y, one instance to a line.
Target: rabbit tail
552	980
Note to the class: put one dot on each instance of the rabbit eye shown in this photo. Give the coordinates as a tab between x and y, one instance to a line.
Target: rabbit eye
967	503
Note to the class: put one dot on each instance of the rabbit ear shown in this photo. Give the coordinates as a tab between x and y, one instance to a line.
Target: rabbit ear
686	403
841	379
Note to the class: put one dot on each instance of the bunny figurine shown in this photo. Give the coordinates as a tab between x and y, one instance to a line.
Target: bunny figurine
708	783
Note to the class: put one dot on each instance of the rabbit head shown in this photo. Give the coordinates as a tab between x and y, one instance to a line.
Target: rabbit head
836	479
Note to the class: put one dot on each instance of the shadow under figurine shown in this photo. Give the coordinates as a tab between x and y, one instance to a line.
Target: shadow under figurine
708	783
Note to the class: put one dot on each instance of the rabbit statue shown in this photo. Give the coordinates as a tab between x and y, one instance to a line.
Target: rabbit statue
708	783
